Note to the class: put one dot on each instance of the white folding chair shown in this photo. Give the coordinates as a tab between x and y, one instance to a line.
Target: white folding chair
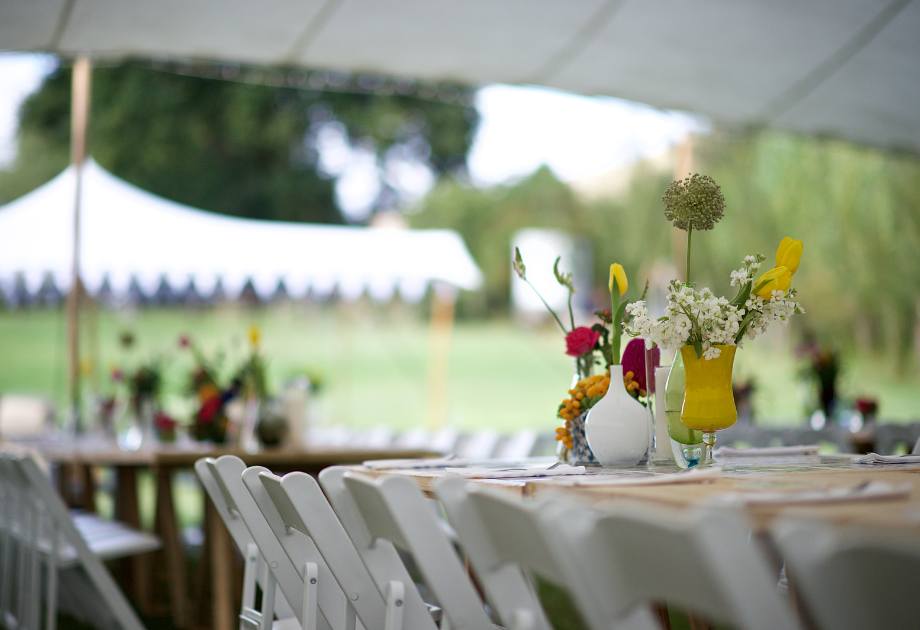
445	440
506	538
296	505
320	603
478	445
851	580
517	445
374	437
255	571
705	562
916	450
394	510
40	539
413	438
380	556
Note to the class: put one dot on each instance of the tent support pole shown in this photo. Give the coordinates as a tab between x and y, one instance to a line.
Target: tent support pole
79	119
443	301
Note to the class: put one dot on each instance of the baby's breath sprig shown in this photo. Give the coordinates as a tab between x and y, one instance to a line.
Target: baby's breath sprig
693	203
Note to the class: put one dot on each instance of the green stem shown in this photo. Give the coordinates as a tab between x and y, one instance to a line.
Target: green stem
548	307
689	241
615	328
571	313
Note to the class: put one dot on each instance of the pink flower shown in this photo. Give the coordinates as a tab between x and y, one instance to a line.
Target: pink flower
581	341
184	341
117	375
634	361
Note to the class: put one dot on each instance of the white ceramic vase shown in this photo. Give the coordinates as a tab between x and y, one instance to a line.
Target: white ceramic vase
617	426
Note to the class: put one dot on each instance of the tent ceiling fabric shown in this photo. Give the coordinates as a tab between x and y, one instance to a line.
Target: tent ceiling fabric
132	240
847	68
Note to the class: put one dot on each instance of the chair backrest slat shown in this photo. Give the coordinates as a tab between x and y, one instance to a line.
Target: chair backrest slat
332	607
379	556
299	505
506	538
852	580
705	561
395	510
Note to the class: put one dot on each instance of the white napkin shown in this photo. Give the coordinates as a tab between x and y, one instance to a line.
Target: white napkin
694	475
768	455
455	462
868	491
875	458
518	472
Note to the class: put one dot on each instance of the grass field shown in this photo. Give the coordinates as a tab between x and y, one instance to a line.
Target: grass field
375	363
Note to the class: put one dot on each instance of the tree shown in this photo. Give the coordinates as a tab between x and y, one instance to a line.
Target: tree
236	147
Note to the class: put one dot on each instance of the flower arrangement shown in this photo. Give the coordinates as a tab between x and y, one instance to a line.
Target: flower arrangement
165	427
209	422
592	346
604	336
696	316
699	318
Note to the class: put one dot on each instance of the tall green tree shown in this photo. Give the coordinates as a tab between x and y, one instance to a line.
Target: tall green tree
236	147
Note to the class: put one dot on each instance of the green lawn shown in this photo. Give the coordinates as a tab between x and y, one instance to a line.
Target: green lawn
375	363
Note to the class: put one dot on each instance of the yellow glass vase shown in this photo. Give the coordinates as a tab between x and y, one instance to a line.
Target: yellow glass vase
709	403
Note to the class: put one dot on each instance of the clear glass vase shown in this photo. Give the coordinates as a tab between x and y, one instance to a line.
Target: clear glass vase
686	444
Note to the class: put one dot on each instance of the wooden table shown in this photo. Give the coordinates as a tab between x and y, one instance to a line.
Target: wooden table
895	516
76	463
891	514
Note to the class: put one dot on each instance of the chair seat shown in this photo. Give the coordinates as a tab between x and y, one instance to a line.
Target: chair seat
106	539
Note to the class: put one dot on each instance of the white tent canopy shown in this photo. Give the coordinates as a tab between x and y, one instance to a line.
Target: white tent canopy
847	68
133	241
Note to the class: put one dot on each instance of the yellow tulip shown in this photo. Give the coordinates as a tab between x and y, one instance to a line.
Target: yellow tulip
776	279
255	335
618	279
789	253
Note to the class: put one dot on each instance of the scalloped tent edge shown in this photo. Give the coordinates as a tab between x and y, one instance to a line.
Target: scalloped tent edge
135	244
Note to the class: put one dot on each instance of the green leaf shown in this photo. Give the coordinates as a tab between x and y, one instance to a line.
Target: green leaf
742	328
518	264
743	294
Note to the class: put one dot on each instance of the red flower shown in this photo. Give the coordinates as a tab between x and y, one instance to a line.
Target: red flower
634	361
581	341
164	422
867	406
184	341
209	409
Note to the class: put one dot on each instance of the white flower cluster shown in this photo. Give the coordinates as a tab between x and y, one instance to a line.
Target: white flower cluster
749	267
778	309
691	315
697	316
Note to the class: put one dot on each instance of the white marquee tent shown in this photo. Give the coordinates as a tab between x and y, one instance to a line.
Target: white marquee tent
133	241
845	68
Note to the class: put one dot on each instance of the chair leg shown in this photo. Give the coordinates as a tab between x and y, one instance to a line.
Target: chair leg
268	604
51	611
250	575
396	599
310	592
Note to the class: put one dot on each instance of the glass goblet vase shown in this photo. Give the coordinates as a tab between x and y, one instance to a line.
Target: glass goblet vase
709	403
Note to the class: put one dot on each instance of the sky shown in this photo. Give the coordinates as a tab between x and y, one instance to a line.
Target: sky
521	128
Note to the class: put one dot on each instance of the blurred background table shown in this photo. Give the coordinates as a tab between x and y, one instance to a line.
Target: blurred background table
76	467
